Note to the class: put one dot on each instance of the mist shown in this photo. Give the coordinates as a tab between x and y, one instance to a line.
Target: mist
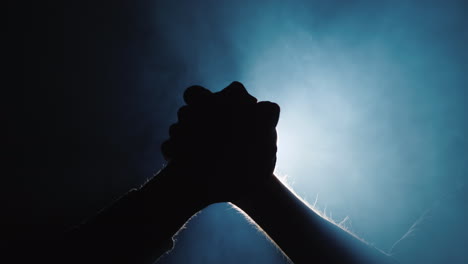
374	114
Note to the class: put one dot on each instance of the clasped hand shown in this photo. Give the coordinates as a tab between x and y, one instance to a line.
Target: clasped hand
224	141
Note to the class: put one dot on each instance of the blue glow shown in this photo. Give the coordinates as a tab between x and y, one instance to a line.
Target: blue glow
374	117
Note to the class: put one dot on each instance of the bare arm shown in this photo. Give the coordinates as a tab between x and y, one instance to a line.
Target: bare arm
137	228
302	234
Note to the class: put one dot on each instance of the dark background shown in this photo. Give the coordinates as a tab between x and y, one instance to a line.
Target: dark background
100	81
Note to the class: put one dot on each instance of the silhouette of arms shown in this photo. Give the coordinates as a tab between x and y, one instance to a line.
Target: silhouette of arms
222	149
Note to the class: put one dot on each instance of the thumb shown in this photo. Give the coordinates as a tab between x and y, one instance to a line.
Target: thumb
267	114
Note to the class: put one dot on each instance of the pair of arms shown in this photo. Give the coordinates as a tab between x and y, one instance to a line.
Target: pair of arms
222	149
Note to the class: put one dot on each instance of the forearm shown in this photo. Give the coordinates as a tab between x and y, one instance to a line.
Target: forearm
138	227
303	235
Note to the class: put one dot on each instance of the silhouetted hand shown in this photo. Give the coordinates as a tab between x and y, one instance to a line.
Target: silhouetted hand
225	141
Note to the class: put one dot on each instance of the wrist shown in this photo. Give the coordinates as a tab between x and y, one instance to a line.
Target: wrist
261	196
172	185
